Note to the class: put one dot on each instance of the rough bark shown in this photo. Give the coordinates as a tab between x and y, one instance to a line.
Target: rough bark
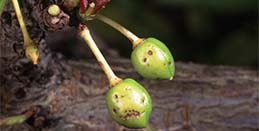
71	93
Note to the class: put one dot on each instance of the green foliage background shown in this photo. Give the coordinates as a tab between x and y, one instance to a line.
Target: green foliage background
204	31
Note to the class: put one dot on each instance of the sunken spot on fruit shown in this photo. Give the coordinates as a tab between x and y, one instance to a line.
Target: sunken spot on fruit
128	88
143	99
131	114
116	96
145	60
114	111
169	63
150	52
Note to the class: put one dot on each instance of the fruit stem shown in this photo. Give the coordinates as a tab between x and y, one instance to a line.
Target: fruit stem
26	35
132	37
90	9
31	49
13	120
85	34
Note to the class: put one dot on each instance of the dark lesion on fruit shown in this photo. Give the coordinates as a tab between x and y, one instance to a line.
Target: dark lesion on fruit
116	98
127	88
145	60
114	110
131	114
150	52
143	99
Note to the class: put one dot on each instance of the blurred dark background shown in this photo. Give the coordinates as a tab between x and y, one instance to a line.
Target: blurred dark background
216	32
204	31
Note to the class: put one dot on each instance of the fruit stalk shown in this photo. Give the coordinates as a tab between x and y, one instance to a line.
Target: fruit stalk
90	10
31	50
85	34
135	40
25	33
13	120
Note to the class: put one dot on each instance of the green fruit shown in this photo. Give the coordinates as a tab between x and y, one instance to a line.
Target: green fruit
129	104
153	60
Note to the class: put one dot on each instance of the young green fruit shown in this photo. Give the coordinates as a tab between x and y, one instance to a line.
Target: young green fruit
129	104
153	60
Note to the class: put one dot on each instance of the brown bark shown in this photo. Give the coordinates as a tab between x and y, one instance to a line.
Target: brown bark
71	93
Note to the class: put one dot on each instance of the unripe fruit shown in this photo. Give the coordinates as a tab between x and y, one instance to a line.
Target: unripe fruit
129	104
153	60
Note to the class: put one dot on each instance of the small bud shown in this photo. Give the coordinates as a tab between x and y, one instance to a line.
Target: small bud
153	60
11	121
54	18
53	10
129	104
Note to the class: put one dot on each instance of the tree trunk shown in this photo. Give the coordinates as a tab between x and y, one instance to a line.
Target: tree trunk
71	93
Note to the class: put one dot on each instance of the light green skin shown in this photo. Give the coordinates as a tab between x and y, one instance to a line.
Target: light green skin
158	65
129	95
